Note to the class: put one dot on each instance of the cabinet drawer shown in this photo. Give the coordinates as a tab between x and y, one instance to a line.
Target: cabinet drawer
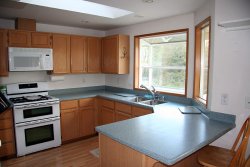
69	104
138	111
121	107
6	123
119	116
6	135
86	102
108	103
7	149
6	114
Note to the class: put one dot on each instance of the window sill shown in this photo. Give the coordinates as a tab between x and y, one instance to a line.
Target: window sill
161	92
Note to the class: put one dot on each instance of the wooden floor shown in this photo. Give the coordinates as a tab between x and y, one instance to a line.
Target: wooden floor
75	154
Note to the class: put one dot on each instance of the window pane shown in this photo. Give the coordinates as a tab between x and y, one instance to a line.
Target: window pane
163	62
204	62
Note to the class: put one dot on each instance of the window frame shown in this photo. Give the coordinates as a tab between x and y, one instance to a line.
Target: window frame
136	85
197	60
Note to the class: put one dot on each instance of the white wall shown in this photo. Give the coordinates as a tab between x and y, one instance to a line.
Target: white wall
231	65
230	62
171	23
70	81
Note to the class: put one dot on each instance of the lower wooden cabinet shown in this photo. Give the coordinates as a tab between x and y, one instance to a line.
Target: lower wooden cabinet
106	111
111	111
7	134
119	116
139	111
107	115
69	124
77	118
86	117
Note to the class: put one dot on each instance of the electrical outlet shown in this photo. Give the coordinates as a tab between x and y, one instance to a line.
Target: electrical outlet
224	99
247	102
83	80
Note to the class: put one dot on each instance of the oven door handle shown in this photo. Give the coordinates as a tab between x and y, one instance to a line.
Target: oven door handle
37	122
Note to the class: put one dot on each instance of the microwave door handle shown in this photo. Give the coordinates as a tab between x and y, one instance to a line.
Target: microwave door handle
41	62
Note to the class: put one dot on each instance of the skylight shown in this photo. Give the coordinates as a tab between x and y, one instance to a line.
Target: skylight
81	6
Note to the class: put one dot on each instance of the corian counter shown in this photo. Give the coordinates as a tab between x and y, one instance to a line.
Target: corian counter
166	135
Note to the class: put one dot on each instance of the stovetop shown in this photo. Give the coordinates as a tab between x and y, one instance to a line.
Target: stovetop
24	99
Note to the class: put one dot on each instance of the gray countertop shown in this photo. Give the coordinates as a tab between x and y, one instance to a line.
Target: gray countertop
167	135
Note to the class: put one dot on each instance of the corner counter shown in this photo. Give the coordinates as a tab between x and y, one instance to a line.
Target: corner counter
167	135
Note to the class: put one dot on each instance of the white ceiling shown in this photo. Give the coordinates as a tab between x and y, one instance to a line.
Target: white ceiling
142	12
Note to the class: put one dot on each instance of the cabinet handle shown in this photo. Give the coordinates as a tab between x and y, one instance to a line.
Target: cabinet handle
124	53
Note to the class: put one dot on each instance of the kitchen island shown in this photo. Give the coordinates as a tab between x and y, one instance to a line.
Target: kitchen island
167	137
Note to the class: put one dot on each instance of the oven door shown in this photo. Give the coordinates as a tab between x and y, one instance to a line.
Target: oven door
32	112
37	135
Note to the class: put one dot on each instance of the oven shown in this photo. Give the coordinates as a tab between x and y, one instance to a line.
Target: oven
37	126
35	111
37	135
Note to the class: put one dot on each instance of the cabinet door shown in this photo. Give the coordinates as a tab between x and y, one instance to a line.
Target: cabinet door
86	121
41	40
123	56
69	124
138	111
19	38
110	54
3	53
78	50
107	115
119	116
94	55
61	53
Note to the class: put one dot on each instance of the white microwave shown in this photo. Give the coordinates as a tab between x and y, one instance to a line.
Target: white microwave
30	59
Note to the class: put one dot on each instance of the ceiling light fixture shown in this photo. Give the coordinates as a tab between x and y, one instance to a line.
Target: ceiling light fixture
81	6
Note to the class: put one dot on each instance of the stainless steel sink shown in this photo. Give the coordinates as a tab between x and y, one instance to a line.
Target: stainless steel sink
137	99
143	100
153	102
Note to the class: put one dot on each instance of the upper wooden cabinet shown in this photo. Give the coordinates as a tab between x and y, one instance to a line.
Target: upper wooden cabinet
3	53
19	38
61	53
94	55
41	40
115	52
78	53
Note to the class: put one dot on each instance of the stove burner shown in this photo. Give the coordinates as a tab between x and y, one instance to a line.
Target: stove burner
24	99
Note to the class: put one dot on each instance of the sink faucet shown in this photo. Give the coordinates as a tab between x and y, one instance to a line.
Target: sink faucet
152	92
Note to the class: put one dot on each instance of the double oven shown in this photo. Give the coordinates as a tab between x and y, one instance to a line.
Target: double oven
37	122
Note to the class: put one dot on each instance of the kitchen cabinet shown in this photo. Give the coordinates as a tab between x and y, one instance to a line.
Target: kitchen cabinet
86	117
7	134
115	54
139	111
61	53
3	53
41	40
69	120
19	38
78	54
94	55
106	112
77	118
122	111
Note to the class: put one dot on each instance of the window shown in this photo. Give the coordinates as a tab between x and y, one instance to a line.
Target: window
202	54
161	61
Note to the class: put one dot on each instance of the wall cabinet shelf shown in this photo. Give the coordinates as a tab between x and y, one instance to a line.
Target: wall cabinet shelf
235	25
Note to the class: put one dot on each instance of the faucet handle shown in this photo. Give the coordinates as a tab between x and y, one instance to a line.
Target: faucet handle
153	88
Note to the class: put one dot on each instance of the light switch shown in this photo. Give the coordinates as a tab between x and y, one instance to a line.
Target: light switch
248	102
224	99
